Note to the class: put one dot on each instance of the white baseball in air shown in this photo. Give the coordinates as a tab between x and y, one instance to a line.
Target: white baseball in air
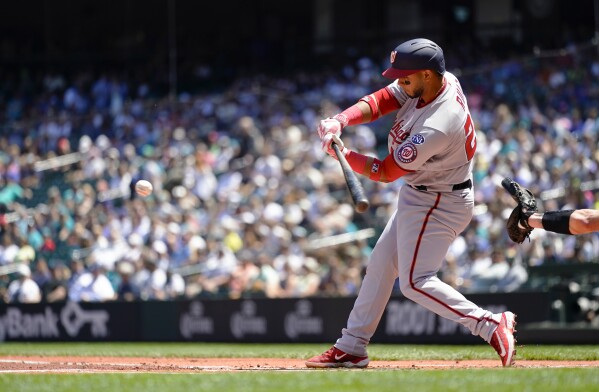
143	188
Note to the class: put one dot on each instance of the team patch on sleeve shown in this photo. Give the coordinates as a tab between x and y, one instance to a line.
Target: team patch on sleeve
418	139
406	153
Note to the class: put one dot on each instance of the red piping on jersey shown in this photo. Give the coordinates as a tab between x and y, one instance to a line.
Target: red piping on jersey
413	285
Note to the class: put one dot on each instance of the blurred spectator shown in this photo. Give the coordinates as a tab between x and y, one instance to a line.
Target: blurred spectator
126	289
217	267
243	275
8	249
151	277
42	274
77	269
23	289
480	262
267	282
175	285
517	274
487	280
286	257
56	289
305	282
92	286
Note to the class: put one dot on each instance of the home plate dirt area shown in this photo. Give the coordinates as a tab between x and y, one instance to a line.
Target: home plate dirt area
43	364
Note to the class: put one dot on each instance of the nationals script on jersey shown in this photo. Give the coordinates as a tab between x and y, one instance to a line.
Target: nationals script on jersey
437	141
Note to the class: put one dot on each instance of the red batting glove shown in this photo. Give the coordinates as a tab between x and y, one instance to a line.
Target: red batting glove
329	139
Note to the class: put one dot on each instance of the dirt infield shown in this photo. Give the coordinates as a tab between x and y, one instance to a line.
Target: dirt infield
42	364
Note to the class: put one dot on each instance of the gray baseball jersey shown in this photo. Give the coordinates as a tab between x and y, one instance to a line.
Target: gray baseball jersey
436	143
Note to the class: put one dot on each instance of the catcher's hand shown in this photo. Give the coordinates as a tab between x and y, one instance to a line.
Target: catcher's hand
517	225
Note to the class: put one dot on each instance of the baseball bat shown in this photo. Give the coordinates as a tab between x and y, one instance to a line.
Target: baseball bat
354	186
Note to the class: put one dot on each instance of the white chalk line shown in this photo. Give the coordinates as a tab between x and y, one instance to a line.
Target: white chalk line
104	367
159	368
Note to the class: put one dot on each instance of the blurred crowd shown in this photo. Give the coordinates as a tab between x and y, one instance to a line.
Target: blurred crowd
245	203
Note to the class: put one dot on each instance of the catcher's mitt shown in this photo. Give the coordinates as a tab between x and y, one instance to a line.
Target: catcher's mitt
517	225
515	229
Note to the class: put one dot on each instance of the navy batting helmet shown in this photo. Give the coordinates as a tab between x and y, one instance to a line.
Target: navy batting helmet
415	55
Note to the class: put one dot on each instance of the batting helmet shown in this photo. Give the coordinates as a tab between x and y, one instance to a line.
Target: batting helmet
415	55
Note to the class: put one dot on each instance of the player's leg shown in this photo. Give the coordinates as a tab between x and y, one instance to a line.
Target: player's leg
424	236
376	288
428	224
374	293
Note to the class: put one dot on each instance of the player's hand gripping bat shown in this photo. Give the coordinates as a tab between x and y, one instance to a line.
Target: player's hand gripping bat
354	185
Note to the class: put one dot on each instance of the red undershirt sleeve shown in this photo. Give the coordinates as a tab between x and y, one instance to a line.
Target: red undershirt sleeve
350	116
386	170
381	102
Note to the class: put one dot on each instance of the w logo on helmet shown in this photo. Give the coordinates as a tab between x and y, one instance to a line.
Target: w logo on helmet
392	57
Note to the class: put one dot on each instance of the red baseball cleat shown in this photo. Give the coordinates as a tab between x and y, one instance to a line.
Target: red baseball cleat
503	340
334	358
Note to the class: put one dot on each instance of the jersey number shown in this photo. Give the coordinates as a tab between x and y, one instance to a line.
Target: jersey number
470	138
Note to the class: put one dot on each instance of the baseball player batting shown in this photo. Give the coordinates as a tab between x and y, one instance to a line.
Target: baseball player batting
431	146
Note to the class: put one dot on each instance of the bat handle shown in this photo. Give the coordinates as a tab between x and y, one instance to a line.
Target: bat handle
361	203
336	148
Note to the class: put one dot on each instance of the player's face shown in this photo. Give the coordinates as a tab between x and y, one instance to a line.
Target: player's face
412	85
